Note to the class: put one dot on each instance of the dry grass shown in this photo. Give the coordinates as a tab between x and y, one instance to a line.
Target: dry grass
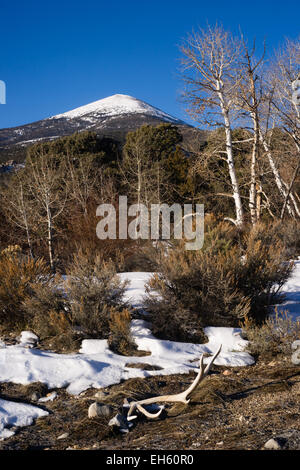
274	337
237	411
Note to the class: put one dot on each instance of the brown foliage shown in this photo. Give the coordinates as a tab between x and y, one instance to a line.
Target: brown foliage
234	275
17	273
47	309
120	339
274	337
93	289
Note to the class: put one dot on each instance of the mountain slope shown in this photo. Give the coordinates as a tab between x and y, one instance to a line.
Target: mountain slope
113	116
116	105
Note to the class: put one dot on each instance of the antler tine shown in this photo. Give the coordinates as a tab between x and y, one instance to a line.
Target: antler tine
197	380
208	367
132	407
201	374
143	411
178	397
146	413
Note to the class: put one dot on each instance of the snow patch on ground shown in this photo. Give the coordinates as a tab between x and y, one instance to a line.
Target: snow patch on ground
28	339
291	289
17	414
136	289
96	366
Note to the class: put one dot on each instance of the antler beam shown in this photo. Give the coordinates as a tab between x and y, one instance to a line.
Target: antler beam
179	397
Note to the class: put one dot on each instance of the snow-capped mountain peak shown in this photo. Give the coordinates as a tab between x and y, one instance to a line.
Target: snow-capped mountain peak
116	105
111	117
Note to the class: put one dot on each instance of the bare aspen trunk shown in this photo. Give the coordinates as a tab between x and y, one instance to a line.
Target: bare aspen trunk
276	174
50	239
258	199
139	185
234	182
292	198
290	188
139	189
231	166
26	223
28	239
253	182
250	100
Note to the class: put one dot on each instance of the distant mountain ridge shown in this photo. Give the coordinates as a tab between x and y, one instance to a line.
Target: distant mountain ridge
116	105
112	117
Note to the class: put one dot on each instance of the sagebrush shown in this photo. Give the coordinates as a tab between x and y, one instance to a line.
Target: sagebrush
120	338
274	337
236	274
94	290
17	274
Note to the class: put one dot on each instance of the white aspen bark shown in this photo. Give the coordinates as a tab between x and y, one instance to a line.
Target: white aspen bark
291	195
276	174
230	160
24	213
139	185
293	199
290	186
253	185
158	184
289	192
50	238
259	193
139	188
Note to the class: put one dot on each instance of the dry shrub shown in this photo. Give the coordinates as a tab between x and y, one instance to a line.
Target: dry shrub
274	337
93	289
80	233
47	309
170	319
120	339
287	232
233	276
17	273
11	250
59	321
32	297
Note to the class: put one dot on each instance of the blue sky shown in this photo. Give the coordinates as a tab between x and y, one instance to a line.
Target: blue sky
59	55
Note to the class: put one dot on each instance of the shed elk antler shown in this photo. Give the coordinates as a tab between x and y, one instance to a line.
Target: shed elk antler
179	397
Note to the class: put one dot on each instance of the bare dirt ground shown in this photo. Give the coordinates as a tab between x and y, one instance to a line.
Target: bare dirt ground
241	409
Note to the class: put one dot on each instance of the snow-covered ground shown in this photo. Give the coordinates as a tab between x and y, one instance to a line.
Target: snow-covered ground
96	366
17	415
136	289
291	289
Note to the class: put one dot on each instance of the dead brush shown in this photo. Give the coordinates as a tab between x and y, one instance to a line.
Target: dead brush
94	290
120	339
274	337
235	275
17	273
46	309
